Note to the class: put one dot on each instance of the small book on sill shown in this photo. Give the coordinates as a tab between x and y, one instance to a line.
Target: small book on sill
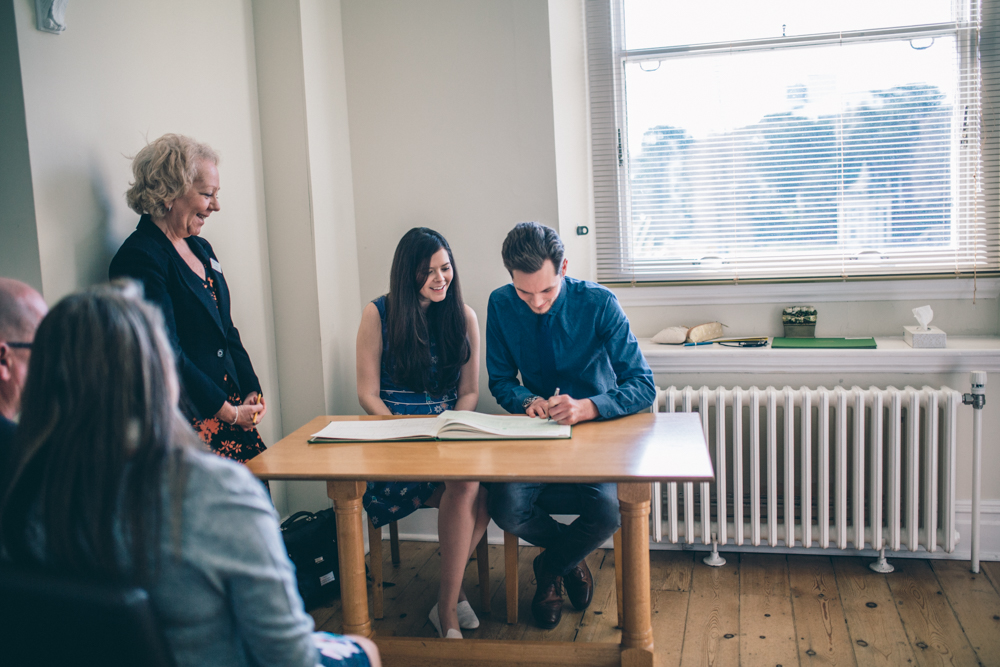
449	425
821	343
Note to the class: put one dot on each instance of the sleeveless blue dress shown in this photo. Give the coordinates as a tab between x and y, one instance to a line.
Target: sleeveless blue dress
386	502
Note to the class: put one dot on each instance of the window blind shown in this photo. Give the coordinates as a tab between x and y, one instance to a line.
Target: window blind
866	151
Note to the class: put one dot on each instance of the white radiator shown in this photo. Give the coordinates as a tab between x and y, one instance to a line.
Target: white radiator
824	468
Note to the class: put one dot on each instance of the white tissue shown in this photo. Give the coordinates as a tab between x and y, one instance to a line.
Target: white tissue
924	315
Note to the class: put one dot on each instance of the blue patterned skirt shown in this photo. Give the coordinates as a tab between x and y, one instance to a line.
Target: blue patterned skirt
386	502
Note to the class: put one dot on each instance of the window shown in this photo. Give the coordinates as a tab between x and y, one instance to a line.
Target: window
789	140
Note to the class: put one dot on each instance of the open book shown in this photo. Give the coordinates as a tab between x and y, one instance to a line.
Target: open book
449	425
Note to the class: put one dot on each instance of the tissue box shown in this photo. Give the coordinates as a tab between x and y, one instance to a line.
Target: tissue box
931	338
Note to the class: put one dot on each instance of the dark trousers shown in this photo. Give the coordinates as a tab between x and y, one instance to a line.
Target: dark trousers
525	509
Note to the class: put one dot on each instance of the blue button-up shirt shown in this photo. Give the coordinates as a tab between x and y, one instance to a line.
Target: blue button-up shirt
596	355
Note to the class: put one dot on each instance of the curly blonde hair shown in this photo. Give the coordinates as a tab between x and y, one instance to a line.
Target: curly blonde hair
164	169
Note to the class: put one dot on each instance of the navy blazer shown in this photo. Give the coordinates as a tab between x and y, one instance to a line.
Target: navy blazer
206	343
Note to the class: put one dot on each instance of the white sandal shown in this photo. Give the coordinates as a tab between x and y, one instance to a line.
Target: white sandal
435	619
467	619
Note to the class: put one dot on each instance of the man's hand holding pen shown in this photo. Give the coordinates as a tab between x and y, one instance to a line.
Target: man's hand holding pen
563	409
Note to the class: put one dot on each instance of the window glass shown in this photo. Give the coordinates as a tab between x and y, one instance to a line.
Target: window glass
845	144
793	150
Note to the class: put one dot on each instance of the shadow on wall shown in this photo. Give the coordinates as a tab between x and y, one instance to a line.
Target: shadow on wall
89	224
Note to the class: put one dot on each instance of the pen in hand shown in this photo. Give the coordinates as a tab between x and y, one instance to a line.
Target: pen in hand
256	415
554	395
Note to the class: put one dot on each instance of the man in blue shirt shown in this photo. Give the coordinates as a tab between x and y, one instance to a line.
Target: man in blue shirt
578	360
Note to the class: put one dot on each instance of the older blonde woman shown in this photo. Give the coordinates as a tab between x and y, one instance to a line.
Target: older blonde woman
176	189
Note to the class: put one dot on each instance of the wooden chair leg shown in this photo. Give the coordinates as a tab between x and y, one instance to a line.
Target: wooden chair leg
510	565
394	542
375	563
483	562
617	539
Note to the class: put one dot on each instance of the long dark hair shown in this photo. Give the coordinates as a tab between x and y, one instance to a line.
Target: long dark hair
409	327
99	430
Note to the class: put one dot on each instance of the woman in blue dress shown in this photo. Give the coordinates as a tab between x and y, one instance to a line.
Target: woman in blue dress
418	354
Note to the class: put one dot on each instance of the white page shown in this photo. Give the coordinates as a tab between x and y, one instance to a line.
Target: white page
379	429
506	426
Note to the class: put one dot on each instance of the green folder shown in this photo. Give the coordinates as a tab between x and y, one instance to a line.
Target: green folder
824	343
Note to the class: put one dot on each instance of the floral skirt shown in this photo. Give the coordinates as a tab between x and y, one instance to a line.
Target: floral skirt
339	651
386	502
227	440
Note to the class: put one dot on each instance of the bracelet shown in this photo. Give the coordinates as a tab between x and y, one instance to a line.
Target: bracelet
237	417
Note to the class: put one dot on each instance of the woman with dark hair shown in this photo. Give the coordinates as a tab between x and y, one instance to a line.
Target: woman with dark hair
418	354
110	483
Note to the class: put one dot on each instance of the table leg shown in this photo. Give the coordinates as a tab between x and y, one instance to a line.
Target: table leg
351	551
637	632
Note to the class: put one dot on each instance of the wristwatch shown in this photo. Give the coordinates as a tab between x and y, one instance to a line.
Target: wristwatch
528	401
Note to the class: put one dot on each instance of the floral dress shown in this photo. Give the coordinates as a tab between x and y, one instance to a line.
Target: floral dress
386	502
227	440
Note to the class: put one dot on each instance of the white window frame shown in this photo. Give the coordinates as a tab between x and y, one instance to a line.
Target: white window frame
606	87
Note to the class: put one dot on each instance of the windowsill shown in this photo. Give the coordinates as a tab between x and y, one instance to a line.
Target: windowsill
963	354
875	290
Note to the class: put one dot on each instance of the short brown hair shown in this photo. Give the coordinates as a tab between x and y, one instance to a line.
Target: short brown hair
164	170
528	245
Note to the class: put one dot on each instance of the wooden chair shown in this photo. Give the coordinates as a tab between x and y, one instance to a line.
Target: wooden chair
375	554
510	549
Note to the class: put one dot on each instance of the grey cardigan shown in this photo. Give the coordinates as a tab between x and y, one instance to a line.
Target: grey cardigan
228	598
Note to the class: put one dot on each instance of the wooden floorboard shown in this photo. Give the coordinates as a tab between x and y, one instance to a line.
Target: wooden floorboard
671	570
600	622
873	624
819	615
767	626
712	625
758	609
976	605
934	633
992	571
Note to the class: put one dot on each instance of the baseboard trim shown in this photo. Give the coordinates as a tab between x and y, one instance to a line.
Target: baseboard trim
989	541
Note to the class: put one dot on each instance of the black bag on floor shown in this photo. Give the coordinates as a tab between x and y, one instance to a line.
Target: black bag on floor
311	542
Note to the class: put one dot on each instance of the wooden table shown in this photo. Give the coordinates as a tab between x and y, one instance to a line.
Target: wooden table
632	451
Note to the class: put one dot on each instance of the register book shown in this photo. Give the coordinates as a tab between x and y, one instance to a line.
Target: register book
449	425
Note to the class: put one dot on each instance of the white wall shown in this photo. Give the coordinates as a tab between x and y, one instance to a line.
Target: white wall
19	251
437	139
451	128
310	212
123	72
465	116
332	196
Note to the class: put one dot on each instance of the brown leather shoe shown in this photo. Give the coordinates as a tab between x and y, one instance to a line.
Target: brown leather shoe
548	602
580	586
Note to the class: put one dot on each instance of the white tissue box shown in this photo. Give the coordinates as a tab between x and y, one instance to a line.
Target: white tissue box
931	338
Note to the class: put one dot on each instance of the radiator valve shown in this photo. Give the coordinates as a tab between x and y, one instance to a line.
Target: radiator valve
977	399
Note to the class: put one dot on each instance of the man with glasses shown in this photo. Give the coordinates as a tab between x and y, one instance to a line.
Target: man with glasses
21	309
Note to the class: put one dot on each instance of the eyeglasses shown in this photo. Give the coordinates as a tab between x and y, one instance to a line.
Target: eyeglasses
19	346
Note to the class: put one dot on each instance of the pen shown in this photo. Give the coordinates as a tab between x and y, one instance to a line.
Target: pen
256	415
704	342
555	394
